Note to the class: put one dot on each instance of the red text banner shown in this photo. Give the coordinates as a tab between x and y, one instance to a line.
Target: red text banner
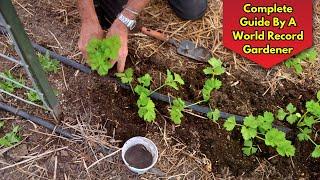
267	32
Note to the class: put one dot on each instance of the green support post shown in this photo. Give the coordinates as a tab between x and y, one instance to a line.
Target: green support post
28	57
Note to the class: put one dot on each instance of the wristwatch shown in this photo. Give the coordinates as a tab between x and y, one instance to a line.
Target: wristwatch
128	22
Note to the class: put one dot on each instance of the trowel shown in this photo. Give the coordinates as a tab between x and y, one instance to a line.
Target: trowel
185	47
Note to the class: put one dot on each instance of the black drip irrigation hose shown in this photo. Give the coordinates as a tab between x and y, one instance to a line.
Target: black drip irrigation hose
197	108
62	59
50	126
53	55
36	120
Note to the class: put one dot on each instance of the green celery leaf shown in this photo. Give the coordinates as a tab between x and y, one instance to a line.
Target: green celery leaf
291	108
170	80
208	70
285	148
248	133
126	77
216	68
292	118
273	137
304	135
265	122
178	79
176	110
230	123
313	107
33	96
312	54
210	85
143	100
316	152
248	148
214	115
296	64
101	52
281	115
141	90
4	142
48	64
145	80
147	109
309	121
251	122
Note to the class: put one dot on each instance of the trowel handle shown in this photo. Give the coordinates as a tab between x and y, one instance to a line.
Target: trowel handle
155	34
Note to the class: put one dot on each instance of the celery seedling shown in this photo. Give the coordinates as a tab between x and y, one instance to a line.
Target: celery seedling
126	77
176	110
48	64
145	104
11	138
33	96
102	52
213	83
309	54
8	85
214	115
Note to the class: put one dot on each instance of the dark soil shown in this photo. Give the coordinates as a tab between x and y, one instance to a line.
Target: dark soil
138	156
117	109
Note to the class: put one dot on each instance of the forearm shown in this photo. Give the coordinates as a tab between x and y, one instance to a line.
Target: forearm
87	11
136	6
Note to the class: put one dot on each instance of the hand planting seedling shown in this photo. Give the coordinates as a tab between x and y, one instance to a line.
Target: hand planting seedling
102	52
8	85
212	83
48	64
310	55
10	138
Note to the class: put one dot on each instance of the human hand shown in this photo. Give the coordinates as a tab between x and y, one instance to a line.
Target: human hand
119	29
88	31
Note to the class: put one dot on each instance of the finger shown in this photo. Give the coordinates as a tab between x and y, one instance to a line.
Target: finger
82	49
122	60
121	64
85	54
113	62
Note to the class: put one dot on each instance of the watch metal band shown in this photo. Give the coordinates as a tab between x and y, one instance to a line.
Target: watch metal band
126	21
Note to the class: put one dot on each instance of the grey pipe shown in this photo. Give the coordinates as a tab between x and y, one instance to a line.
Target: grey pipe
36	120
62	59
